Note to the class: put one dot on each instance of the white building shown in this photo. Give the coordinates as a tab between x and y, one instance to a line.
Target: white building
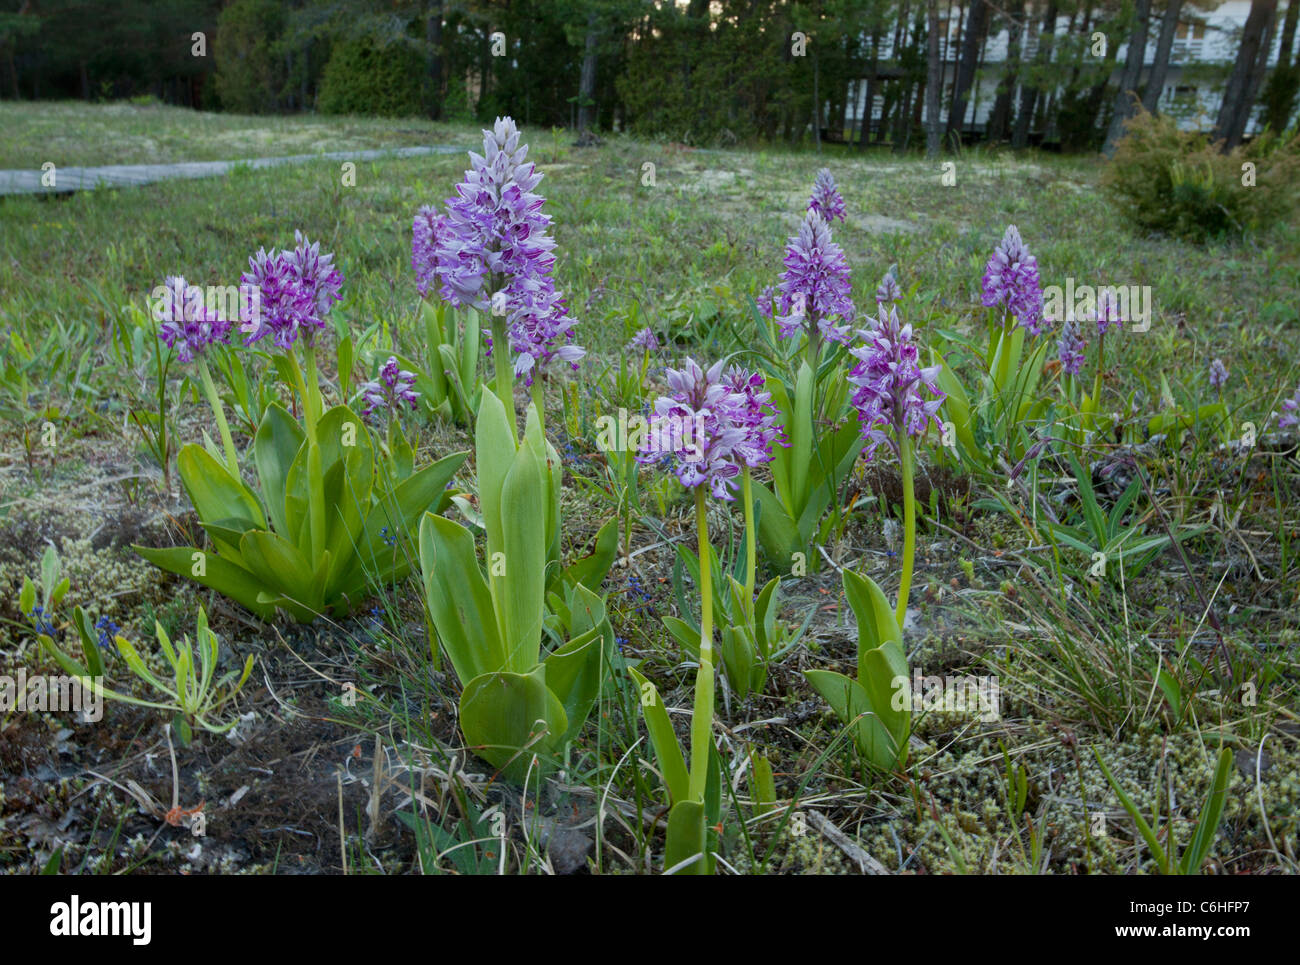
1204	50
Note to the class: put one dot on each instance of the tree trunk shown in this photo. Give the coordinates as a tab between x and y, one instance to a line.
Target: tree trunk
1029	94
1128	83
1160	66
976	25
587	81
1000	118
864	127
933	82
433	40
1280	95
1238	95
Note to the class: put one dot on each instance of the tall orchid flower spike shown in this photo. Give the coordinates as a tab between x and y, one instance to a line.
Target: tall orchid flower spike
897	400
493	251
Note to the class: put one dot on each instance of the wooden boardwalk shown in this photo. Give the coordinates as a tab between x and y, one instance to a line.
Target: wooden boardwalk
70	179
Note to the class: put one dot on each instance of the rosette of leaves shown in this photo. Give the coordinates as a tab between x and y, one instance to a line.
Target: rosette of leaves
807	472
332	520
194	695
515	704
876	705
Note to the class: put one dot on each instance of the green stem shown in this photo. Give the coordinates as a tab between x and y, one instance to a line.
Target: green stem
751	556
214	400
308	404
702	719
909	528
539	400
505	376
310	389
1101	354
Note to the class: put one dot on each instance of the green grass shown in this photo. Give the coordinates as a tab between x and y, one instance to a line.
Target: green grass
1077	660
76	133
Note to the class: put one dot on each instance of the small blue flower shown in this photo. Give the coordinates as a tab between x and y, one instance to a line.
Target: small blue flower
390	539
107	631
40	622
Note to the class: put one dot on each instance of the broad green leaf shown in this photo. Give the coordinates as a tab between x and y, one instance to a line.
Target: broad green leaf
777	533
221	575
518	576
851	704
283	569
877	623
509	717
686	839
459	601
494	455
274	446
573	675
672	764
590	571
214	492
801	441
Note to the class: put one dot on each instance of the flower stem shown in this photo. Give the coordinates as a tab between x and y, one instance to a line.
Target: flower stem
539	400
214	400
909	527
505	376
308	405
702	719
751	557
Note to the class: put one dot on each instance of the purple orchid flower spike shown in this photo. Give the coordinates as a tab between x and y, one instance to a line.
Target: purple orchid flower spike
1011	280
826	199
891	384
814	290
188	326
394	388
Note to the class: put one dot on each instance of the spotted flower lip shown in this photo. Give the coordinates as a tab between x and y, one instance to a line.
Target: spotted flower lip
698	426
540	327
890	384
494	226
1070	349
754	413
187	325
826	199
814	289
394	388
295	291
1011	280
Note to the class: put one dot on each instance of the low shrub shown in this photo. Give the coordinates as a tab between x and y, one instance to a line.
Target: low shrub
1182	184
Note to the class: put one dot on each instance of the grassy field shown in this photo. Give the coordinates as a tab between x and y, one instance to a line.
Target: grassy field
680	240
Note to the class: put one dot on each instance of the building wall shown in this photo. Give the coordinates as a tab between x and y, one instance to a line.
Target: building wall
1205	39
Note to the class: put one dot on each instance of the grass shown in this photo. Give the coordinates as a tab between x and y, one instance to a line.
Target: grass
74	133
1079	660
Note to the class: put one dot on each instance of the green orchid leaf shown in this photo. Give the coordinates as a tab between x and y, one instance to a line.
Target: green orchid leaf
509	717
458	598
213	572
672	764
877	623
215	493
276	443
686	843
